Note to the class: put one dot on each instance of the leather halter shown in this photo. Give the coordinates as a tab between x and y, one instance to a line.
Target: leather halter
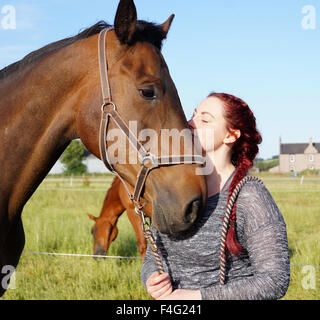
109	111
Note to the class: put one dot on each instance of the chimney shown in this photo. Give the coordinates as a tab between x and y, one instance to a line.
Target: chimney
310	141
280	144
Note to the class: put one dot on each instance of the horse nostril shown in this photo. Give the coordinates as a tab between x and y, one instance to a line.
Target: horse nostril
192	210
100	251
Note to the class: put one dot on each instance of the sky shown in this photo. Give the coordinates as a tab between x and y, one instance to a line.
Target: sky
266	52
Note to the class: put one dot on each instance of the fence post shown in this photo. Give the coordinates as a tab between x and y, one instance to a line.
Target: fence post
301	181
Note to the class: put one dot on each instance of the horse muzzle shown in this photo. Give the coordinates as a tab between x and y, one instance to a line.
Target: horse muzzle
175	220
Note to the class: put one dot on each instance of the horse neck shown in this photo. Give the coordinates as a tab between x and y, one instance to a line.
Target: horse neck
38	121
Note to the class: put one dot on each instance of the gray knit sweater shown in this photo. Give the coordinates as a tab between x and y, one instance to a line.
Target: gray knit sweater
192	258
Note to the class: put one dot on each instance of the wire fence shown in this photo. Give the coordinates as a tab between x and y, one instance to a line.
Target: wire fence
83	255
122	257
107	179
83	184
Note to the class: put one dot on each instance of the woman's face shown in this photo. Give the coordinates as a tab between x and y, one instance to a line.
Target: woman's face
209	125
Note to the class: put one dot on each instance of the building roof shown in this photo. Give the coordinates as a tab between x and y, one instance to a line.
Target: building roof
296	148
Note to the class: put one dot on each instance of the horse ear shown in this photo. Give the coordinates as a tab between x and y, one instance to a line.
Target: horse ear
125	21
166	25
92	217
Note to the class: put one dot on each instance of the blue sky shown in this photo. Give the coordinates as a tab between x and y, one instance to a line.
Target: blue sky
256	50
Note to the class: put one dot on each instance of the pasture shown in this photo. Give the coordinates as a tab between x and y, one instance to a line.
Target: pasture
55	220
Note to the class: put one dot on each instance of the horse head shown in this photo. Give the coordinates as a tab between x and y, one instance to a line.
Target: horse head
146	97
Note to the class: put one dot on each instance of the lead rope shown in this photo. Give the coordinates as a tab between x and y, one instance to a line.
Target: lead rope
146	228
153	246
232	200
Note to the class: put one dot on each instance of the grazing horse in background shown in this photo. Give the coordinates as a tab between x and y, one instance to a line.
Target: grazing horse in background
105	230
54	96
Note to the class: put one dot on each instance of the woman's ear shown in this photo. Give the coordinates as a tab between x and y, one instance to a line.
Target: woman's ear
232	136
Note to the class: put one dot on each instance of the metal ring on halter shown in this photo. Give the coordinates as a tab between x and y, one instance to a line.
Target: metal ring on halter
138	212
108	104
149	157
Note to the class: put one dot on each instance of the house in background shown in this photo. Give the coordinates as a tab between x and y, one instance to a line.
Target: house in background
296	157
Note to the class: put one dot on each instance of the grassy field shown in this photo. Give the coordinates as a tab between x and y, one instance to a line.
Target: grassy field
55	220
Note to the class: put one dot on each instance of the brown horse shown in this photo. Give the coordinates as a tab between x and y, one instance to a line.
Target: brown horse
105	230
54	95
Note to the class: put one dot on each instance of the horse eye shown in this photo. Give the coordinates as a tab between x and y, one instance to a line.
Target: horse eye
147	93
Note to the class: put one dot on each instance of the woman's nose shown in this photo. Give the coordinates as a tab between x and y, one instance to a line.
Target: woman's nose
191	124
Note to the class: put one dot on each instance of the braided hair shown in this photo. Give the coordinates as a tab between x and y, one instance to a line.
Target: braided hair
239	116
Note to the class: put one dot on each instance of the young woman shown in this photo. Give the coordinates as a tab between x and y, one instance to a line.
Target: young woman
258	265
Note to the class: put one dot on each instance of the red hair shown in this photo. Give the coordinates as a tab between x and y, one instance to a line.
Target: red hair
239	117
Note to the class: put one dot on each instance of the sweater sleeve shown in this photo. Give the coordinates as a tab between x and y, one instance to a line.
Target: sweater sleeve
264	238
149	266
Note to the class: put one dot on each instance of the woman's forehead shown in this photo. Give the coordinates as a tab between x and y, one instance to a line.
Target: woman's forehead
212	104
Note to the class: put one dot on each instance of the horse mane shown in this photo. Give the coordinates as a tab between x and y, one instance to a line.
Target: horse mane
145	31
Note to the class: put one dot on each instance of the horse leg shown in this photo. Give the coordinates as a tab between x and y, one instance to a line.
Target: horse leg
105	230
10	253
136	222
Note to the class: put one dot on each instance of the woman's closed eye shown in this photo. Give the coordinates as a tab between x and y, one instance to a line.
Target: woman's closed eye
206	119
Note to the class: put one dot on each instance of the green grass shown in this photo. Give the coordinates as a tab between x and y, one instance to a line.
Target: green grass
56	221
300	206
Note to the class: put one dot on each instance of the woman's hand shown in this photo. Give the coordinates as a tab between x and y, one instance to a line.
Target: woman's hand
159	285
181	294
